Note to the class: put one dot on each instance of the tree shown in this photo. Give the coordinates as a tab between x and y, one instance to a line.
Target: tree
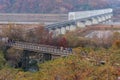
13	32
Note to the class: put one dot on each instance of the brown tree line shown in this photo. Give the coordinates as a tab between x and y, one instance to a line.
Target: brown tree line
38	35
52	6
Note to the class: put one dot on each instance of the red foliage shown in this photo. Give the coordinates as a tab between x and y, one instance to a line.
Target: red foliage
63	42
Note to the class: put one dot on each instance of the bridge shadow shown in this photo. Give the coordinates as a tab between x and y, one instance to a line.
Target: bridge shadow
31	59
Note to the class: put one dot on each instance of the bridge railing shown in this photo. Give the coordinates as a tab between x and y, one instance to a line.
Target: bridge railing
39	48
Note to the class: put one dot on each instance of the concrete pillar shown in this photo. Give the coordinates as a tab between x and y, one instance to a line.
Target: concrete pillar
72	27
94	21
80	24
88	22
57	31
63	30
108	21
67	28
110	15
103	18
99	19
53	31
106	17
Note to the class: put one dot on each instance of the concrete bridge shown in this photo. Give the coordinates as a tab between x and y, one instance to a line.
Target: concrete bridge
58	22
81	19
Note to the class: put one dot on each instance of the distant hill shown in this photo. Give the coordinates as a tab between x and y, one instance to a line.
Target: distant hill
53	6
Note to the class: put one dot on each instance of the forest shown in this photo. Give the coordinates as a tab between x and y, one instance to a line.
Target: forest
54	6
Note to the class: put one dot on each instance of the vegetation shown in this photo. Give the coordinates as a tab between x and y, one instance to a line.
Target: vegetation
92	59
86	64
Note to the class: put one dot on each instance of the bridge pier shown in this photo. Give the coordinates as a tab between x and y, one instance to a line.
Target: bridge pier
68	27
56	31
88	22
107	17
99	19
80	24
53	31
94	21
103	18
73	27
63	30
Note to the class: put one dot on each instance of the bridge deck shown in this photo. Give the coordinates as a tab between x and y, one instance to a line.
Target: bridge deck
40	48
71	22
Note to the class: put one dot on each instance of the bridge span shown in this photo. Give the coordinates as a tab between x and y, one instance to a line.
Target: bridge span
39	48
81	19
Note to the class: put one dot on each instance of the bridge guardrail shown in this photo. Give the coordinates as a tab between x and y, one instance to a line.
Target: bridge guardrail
40	48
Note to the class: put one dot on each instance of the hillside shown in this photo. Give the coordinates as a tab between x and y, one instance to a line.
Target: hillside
53	6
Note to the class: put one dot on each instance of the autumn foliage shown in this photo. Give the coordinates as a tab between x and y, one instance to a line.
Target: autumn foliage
53	6
93	59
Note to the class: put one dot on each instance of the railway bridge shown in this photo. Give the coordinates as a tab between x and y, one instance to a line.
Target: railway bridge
60	23
81	19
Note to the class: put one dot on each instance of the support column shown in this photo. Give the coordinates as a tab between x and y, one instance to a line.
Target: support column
68	28
99	19
103	18
95	21
72	27
80	24
106	17
88	22
53	31
63	30
57	31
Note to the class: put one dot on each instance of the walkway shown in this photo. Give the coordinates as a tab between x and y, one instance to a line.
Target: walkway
39	48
